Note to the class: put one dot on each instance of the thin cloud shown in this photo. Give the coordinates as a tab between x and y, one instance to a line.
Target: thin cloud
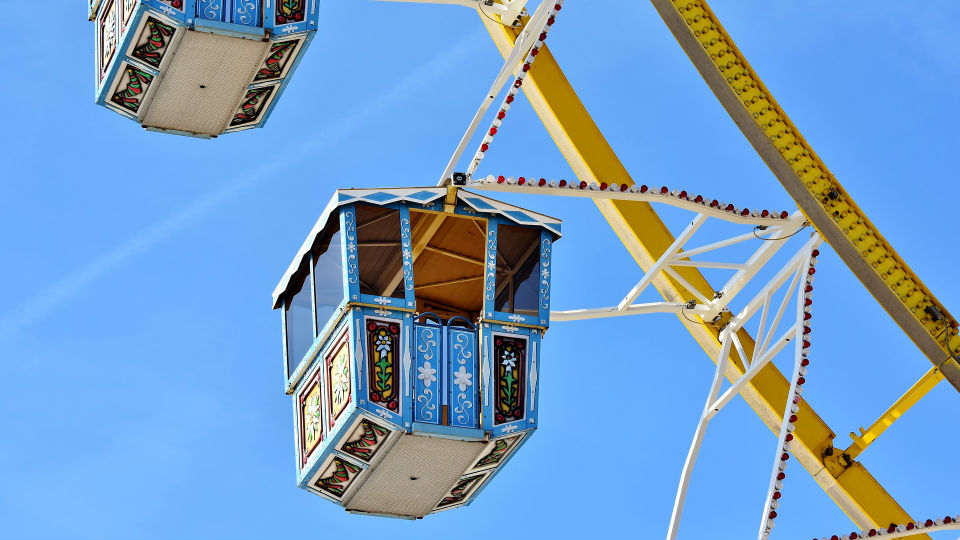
39	306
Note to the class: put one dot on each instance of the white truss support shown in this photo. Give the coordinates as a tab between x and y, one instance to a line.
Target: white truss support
763	324
757	364
767	250
766	523
710	264
793	270
511	10
698	437
634	309
785	273
686	285
755	368
765	339
772	350
663	261
675	257
721	244
766	350
739	347
521	48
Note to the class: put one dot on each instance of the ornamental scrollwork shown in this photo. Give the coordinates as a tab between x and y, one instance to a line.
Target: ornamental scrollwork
353	270
545	249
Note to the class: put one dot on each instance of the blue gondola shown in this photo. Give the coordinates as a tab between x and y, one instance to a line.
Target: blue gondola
198	67
412	321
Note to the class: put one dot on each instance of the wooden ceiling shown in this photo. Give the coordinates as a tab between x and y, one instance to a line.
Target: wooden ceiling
448	253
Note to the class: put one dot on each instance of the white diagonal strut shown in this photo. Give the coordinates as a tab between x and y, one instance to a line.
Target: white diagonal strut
521	48
792	407
663	261
676	257
698	436
792	271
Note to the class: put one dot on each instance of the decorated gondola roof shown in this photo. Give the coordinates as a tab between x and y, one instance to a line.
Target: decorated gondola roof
428	198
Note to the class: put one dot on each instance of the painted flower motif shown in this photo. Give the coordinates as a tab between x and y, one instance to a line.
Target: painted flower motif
427	374
462	378
509	360
340	385
383	343
545	273
313	419
313	412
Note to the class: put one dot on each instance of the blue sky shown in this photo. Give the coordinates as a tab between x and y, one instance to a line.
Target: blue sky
141	383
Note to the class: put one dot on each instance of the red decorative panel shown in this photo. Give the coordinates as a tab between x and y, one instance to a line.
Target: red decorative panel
290	11
337	477
384	363
365	440
461	491
509	379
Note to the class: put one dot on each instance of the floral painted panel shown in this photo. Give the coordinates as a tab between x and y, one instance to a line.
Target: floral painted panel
338	372
290	11
337	477
311	420
365	440
384	363
153	41
509	385
132	88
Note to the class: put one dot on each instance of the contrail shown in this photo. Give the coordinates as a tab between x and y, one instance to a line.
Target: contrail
41	305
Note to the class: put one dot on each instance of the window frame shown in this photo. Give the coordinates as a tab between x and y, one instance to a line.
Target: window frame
351	245
490	279
330	323
320	335
310	353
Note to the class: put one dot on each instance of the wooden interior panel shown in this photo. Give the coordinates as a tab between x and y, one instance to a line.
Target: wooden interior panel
379	254
449	263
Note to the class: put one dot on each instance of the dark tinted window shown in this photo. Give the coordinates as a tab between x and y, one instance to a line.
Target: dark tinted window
299	314
379	252
518	270
328	278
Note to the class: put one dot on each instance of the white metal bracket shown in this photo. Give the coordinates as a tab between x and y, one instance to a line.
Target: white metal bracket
521	48
769	227
677	257
769	344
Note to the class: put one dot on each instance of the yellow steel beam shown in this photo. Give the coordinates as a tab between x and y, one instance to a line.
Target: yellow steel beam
902	405
817	192
853	488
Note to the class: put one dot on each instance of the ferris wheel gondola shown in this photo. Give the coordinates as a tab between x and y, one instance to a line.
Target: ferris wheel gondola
198	67
412	323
